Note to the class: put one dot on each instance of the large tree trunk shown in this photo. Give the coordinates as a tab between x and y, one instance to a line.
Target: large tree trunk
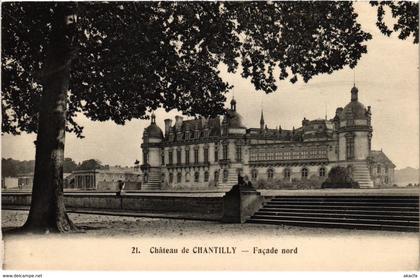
47	212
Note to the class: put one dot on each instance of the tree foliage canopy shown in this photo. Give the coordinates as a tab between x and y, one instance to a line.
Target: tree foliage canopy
90	164
406	14
69	165
133	57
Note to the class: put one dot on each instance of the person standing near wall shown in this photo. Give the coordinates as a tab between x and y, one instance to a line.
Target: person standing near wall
120	192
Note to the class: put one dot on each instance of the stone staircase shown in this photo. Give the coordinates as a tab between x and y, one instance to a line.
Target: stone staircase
231	180
396	213
361	174
153	182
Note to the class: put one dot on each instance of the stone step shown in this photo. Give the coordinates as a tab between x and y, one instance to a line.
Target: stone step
340	225
411	200
339	218
150	187
348	203
343	207
344	215
406	213
359	212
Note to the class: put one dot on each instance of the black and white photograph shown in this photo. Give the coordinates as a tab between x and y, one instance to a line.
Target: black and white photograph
210	136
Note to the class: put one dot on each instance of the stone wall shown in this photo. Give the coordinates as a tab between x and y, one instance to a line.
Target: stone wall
198	206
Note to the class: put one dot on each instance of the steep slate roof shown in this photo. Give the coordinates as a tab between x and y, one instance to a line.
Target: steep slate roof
213	125
379	156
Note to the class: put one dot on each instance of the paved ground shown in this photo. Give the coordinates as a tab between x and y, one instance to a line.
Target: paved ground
218	192
105	225
108	241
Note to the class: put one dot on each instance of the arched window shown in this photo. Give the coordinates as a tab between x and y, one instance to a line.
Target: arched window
287	173
254	174
216	176
216	153
171	177
270	174
187	177
206	176
196	177
322	172
178	177
386	180
304	173
225	175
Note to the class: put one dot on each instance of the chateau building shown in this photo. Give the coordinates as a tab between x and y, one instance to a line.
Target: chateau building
211	152
103	179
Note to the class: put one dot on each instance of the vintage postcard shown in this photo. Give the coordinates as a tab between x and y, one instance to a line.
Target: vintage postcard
245	136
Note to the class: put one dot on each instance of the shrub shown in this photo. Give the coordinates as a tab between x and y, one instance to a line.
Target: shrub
338	177
314	182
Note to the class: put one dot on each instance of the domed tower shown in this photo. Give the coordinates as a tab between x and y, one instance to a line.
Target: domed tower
233	147
354	137
151	167
233	120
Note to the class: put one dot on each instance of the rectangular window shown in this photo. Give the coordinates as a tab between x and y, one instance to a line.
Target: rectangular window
206	155
238	153
171	161
252	155
187	156
178	156
144	157
350	147
216	154
225	151
163	158
195	155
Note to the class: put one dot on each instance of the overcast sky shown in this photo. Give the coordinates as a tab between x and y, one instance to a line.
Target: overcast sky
387	78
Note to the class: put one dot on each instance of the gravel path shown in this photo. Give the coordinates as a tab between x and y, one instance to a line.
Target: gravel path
104	225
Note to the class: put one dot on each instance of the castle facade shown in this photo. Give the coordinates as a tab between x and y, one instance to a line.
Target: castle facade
208	153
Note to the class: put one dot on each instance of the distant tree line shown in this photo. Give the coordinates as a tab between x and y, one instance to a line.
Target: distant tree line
12	168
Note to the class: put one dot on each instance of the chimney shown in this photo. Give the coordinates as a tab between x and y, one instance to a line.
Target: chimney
338	111
204	122
178	122
168	123
305	121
